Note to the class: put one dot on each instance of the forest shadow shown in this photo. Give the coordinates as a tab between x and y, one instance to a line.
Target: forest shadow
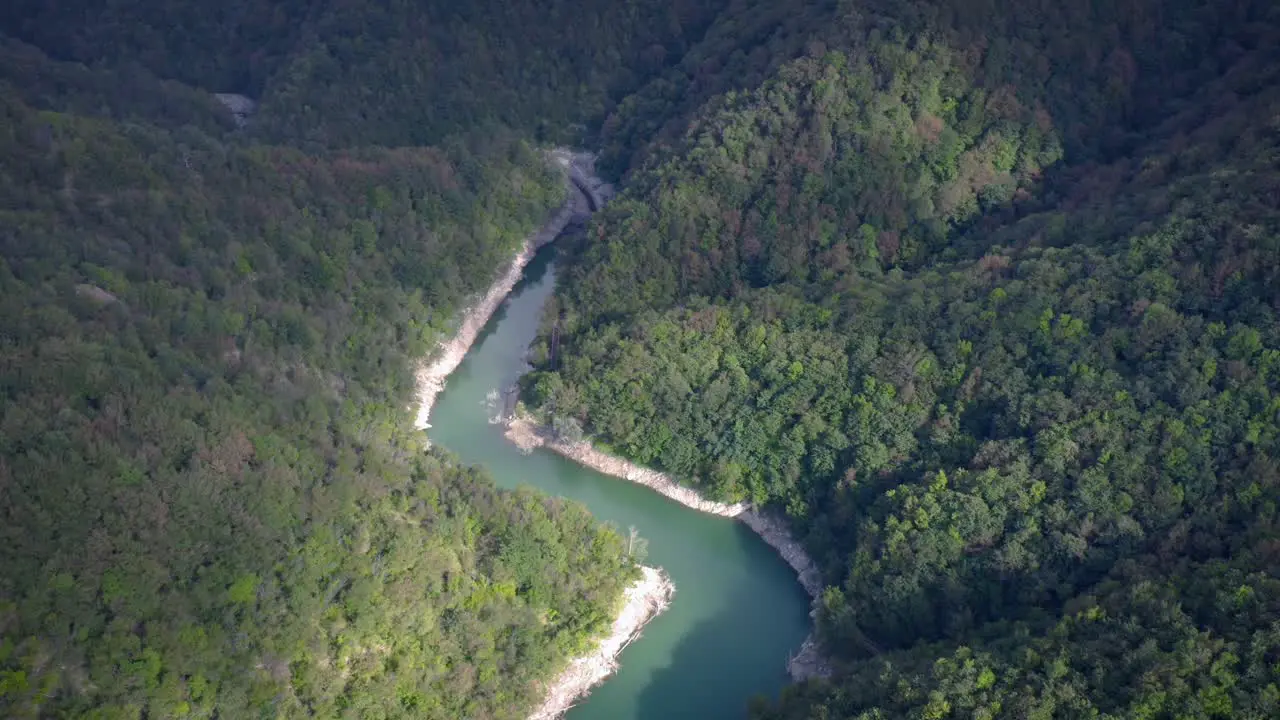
533	273
684	689
713	673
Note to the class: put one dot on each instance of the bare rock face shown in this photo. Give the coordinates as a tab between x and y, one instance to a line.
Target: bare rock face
96	294
581	167
241	106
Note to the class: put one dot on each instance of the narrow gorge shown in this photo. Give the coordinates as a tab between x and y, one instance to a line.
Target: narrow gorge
487	353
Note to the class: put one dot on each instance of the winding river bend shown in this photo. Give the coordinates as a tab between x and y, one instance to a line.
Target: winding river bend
738	612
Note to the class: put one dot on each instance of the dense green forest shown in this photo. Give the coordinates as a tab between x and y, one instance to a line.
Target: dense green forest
211	500
984	296
334	73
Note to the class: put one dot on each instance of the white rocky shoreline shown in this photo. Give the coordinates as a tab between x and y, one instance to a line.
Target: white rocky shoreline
579	181
809	661
644	601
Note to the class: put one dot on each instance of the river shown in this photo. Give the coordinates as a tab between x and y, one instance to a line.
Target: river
738	612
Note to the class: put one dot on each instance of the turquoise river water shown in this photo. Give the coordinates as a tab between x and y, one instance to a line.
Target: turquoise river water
738	611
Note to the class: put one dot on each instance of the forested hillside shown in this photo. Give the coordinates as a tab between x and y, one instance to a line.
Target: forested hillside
984	297
336	73
982	294
413	72
211	500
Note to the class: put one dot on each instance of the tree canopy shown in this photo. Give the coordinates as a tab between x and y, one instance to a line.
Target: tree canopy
211	499
981	294
984	297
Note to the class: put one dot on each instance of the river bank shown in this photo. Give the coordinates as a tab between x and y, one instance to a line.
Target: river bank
650	595
808	662
582	198
644	600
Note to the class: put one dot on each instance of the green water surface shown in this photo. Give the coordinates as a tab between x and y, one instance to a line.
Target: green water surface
738	611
